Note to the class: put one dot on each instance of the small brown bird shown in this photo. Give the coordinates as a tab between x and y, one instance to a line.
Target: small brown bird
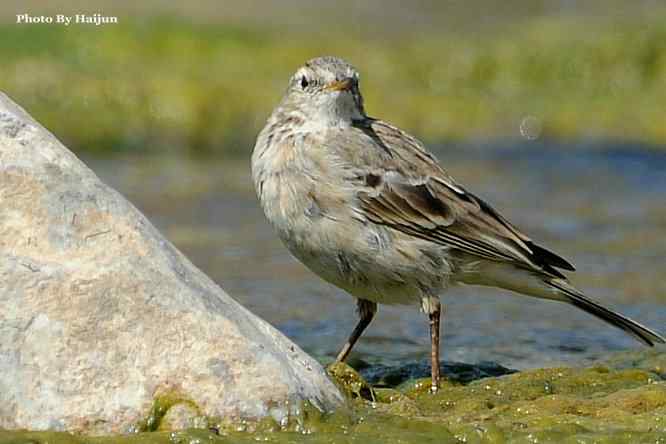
365	206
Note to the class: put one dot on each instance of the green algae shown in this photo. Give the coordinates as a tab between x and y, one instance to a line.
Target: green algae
620	400
350	382
161	406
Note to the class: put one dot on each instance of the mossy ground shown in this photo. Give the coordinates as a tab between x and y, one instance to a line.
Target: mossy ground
168	84
617	401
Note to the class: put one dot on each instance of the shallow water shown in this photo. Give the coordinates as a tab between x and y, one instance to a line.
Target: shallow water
601	207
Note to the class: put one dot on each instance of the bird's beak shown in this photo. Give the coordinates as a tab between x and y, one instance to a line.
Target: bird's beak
340	85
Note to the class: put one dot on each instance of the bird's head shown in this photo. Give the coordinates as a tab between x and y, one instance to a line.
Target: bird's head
325	92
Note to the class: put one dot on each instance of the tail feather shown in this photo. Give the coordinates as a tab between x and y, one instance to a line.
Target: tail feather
581	301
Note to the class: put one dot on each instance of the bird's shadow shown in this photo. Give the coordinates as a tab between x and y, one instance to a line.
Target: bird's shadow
379	375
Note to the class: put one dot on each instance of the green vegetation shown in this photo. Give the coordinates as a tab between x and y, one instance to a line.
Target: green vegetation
162	405
618	401
162	85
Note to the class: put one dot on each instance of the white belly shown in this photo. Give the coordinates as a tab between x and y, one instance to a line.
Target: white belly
369	261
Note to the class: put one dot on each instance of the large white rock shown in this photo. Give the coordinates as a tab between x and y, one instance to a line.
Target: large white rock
99	314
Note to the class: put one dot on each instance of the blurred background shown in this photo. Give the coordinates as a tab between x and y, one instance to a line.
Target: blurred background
554	111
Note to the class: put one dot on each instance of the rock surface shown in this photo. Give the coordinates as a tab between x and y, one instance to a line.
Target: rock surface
100	315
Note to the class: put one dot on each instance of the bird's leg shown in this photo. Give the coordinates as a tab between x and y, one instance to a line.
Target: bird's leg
366	311
434	314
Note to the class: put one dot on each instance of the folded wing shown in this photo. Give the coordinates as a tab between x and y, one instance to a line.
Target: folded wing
411	193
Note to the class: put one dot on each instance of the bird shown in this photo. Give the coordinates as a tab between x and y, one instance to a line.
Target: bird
365	206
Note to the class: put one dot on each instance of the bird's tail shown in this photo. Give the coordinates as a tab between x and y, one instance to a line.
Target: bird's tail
547	287
578	299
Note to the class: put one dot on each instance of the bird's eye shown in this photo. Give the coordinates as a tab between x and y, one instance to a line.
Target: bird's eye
304	82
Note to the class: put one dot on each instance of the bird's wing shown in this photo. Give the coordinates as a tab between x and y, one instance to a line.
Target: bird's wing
408	191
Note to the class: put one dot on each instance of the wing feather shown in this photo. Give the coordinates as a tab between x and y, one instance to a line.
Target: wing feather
417	197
